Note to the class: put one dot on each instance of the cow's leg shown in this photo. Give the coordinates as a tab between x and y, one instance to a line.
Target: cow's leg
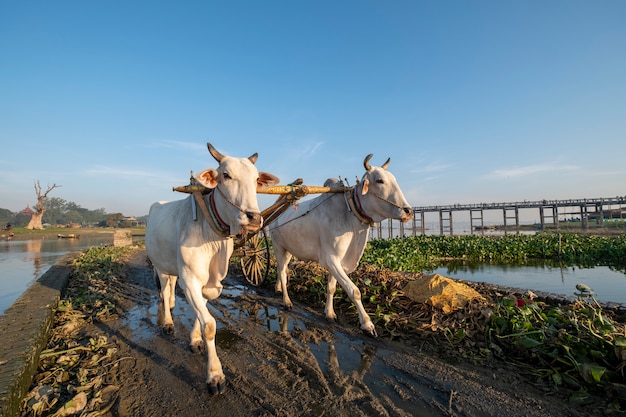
336	270
172	282
212	290
168	285
329	310
196	344
282	266
215	376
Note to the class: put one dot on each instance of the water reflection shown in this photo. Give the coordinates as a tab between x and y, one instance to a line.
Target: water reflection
608	283
23	261
34	247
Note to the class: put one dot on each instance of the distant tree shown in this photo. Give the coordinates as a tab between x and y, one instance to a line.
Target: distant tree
73	216
6	217
113	220
55	211
21	220
94	216
40	208
60	211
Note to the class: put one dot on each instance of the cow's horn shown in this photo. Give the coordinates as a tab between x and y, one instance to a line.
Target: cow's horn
386	164
216	154
253	157
366	163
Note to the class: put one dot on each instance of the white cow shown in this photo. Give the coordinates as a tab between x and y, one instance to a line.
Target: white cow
197	250
333	229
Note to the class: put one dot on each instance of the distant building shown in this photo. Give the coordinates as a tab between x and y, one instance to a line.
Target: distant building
129	221
27	211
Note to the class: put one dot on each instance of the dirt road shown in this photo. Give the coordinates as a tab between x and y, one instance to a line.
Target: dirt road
280	363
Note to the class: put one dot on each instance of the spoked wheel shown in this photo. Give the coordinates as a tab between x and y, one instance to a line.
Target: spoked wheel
255	261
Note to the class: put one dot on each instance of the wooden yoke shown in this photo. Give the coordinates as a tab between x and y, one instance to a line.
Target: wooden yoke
294	191
288	194
299	190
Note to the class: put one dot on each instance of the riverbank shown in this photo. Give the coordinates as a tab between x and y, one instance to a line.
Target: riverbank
20	233
25	328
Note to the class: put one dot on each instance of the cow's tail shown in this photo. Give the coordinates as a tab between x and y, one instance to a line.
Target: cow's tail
157	281
155	275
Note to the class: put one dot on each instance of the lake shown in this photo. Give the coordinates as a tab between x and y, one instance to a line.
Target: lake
23	261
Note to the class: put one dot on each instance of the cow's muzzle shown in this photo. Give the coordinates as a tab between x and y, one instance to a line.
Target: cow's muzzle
407	214
255	221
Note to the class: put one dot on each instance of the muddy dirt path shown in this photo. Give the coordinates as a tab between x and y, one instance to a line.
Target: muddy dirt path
280	363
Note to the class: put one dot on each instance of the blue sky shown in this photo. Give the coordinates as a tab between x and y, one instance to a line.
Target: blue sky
474	101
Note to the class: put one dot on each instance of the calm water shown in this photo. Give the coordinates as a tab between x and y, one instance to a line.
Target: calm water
607	284
23	261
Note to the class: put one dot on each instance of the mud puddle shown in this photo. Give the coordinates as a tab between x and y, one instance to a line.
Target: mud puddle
241	312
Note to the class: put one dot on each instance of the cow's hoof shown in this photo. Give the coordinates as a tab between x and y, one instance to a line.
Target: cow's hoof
168	329
217	387
197	347
371	330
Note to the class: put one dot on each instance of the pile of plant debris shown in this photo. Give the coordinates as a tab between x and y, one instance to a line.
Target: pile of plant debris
71	378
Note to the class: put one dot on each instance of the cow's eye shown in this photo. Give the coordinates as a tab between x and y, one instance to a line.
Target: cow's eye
380	181
227	176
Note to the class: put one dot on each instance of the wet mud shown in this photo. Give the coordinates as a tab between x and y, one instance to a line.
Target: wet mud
294	363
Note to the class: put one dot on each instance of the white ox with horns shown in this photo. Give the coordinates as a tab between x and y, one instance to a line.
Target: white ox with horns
195	245
333	229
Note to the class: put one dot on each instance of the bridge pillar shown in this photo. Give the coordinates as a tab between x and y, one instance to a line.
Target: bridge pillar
554	215
515	216
445	222
480	217
418	222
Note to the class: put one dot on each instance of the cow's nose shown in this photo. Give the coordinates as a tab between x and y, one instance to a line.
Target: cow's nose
407	210
253	217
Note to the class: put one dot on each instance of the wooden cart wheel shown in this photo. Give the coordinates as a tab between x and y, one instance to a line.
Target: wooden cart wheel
255	261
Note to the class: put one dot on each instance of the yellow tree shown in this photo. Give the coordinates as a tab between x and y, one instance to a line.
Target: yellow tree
40	209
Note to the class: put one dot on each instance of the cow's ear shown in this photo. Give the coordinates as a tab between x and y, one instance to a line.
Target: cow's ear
208	178
366	186
267	180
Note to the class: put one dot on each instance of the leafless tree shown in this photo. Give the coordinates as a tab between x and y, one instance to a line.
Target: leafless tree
40	209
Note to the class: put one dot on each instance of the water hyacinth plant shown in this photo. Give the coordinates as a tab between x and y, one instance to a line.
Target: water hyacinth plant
418	253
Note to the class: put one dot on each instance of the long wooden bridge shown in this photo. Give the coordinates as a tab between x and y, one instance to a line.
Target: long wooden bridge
546	213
